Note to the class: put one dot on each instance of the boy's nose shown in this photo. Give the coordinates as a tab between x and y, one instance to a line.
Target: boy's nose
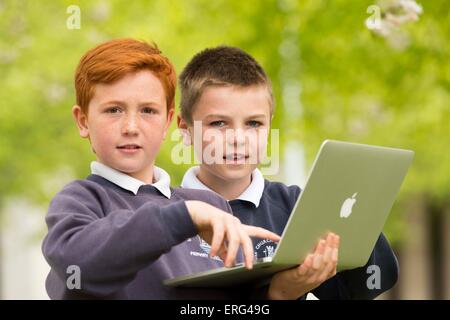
130	126
236	137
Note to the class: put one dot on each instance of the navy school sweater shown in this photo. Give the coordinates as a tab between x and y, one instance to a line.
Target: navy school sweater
273	213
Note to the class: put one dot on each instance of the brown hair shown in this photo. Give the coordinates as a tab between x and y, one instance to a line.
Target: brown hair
220	66
112	60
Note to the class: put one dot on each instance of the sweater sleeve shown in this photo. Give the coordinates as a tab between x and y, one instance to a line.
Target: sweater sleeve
111	249
357	283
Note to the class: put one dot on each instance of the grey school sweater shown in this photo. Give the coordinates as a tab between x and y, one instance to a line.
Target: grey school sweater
125	245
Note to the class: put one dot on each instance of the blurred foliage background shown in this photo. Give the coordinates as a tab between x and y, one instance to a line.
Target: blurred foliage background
332	77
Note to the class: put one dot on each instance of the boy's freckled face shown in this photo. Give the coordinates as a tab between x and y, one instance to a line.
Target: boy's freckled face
241	116
127	122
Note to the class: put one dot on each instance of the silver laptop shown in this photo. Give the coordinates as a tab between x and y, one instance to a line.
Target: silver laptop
350	191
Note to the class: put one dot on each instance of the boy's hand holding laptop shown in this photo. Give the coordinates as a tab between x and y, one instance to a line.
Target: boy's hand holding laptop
319	266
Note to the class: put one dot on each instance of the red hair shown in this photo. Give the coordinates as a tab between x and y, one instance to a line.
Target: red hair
112	60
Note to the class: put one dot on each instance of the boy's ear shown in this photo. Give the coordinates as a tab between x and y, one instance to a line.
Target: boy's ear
181	123
81	121
184	131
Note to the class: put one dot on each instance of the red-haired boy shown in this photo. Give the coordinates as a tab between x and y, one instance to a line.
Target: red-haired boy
123	228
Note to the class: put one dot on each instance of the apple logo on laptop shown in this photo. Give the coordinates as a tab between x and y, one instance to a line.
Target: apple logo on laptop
346	209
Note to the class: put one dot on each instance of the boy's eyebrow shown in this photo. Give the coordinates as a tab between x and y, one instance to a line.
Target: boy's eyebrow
123	103
217	116
253	116
113	102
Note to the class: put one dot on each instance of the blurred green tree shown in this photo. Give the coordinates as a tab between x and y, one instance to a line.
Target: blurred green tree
332	78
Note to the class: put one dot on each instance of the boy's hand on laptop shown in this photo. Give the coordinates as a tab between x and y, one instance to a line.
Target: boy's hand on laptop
225	233
318	267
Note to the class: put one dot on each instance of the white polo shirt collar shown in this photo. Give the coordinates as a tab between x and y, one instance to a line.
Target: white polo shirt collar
252	194
129	183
